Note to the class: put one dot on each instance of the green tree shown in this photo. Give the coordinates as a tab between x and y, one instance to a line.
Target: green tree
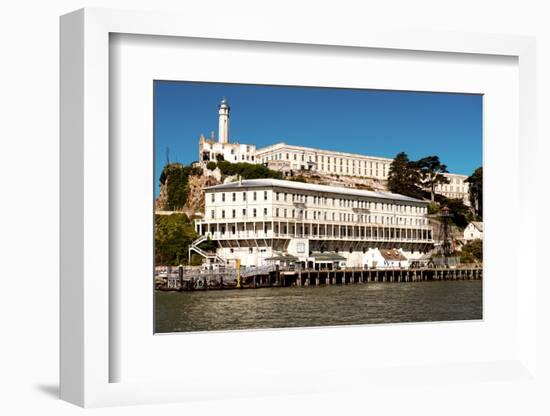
404	177
472	252
475	181
431	173
211	165
173	235
175	177
460	213
219	157
247	170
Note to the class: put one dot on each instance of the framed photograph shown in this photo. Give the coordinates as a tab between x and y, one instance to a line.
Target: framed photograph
316	213
290	213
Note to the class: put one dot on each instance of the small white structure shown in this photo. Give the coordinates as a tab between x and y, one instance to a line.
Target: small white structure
386	259
474	231
210	149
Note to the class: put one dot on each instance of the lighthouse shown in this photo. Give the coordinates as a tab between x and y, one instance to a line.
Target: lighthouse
223	116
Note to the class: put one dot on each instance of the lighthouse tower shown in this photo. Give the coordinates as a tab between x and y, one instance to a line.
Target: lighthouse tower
223	127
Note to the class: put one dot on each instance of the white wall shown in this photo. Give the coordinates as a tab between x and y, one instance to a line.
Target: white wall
29	220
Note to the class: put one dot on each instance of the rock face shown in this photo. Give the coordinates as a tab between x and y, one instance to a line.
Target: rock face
162	200
195	195
195	198
368	184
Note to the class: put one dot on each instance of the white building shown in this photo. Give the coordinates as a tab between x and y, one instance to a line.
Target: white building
211	150
286	158
457	188
260	219
474	231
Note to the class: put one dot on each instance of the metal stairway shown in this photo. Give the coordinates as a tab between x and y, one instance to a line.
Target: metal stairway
210	256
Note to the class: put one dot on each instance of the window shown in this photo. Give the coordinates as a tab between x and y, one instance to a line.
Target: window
250	250
265	211
244	212
213	198
234	196
265	195
223	213
254	195
276	212
223	197
254	212
244	196
212	214
233	213
277	196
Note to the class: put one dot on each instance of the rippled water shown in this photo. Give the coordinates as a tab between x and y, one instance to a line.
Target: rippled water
318	306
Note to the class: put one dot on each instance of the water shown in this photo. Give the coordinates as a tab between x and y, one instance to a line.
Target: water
318	306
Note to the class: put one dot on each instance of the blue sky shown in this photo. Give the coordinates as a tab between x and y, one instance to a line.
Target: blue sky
371	122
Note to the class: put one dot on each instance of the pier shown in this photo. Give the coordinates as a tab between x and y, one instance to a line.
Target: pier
274	276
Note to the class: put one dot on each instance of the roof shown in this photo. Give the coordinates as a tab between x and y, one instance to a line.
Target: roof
301	186
327	256
392	254
283	257
478	225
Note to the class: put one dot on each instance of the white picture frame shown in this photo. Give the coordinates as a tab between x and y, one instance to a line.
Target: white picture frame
85	212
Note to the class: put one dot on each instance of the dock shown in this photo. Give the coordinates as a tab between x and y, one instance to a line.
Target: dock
280	277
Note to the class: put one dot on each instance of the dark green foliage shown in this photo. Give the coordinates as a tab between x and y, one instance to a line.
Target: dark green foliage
219	157
175	177
472	252
208	245
404	177
460	213
173	234
476	191
431	173
196	260
247	170
211	165
433	208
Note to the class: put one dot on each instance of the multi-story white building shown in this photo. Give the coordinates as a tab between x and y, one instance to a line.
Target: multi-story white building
211	150
286	158
261	219
457	188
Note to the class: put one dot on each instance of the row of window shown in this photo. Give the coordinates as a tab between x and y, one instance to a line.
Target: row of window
329	159
451	188
340	231
233	196
321	201
301	214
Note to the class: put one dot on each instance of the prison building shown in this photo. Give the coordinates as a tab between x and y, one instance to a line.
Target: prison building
287	158
259	220
457	188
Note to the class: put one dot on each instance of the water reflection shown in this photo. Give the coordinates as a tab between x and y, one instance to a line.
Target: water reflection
318	306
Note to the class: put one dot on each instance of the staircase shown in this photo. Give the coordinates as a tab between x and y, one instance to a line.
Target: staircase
209	256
